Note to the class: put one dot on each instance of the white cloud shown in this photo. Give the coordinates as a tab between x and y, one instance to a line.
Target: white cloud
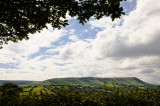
138	36
25	48
104	23
132	46
73	38
73	50
130	50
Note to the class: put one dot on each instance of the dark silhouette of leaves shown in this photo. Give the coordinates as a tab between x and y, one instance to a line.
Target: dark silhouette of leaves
18	18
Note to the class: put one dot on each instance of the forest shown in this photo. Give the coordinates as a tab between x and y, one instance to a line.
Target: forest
19	95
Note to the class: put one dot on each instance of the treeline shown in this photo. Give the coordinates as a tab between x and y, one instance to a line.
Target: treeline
12	95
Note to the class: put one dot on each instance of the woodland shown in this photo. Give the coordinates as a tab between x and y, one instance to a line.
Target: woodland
14	95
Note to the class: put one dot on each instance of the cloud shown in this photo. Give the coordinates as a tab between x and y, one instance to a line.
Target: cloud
147	71
14	51
138	36
128	47
74	50
104	23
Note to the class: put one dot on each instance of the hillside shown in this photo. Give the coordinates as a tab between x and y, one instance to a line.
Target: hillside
84	81
18	82
44	95
93	81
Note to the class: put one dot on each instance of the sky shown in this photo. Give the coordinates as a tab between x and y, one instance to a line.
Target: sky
126	47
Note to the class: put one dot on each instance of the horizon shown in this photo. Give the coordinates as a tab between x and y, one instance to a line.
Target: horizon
126	47
76	77
70	79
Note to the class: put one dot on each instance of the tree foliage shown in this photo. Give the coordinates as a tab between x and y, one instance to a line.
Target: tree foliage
9	94
10	89
78	96
18	18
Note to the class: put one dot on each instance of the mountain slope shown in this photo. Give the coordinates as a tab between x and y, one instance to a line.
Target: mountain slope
84	81
18	82
93	81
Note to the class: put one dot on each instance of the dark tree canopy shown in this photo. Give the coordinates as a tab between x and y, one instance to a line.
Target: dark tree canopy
10	89
18	18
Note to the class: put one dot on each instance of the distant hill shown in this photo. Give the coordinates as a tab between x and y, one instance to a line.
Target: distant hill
93	81
84	81
18	82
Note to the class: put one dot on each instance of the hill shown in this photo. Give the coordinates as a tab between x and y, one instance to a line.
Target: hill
18	82
84	81
94	81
